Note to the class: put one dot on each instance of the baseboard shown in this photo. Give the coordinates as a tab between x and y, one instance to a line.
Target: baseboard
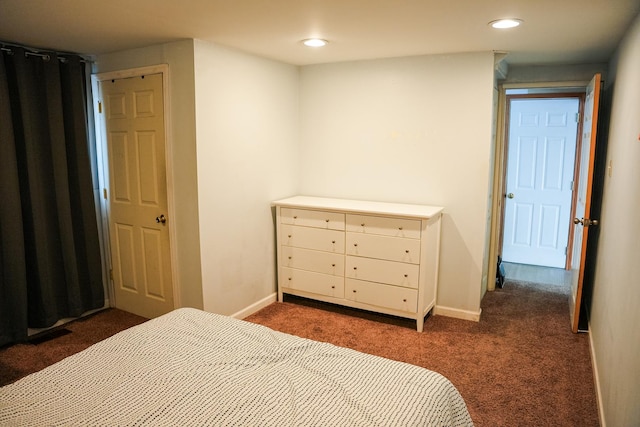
596	379
257	306
440	310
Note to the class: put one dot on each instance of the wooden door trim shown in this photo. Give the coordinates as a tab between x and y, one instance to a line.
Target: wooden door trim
587	205
103	177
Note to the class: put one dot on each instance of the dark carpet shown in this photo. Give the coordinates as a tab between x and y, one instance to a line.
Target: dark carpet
519	366
50	347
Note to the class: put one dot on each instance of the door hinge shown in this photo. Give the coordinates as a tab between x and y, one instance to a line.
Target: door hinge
99	107
111	274
577	117
104	193
572	185
566	250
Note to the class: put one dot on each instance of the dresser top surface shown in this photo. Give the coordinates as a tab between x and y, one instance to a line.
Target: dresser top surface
360	206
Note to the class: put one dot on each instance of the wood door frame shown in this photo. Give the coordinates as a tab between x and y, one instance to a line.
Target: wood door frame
576	161
103	167
500	159
575	305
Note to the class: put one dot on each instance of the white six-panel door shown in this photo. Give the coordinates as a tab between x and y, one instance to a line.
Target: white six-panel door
540	171
138	222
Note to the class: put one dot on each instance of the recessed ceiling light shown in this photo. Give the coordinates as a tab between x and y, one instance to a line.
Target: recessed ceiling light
314	42
505	23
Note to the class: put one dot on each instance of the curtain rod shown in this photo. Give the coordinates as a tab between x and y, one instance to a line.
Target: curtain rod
42	53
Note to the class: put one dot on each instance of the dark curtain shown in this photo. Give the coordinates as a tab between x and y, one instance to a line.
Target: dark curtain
50	266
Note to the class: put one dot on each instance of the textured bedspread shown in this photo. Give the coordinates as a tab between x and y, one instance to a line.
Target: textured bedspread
190	368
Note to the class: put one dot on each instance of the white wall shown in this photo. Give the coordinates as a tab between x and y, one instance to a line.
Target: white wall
411	130
615	309
184	186
247	143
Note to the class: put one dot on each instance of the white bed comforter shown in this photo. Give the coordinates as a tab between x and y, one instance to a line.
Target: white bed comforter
191	368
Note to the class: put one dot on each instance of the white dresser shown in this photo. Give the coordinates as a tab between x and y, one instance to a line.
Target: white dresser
374	256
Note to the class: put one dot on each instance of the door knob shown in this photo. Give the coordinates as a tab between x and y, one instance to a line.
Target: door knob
161	219
511	195
586	222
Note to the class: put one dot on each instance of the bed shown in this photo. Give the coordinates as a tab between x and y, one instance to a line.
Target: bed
190	367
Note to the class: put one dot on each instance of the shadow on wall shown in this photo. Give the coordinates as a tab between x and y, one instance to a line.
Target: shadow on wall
460	276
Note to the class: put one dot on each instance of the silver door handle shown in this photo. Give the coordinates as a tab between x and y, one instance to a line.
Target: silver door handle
511	195
161	219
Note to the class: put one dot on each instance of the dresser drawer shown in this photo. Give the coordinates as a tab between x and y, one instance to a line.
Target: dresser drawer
393	297
395	227
383	247
309	281
306	259
309	218
376	270
312	238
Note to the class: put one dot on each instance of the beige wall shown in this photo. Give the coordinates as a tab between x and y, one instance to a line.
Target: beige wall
247	133
184	187
411	130
615	310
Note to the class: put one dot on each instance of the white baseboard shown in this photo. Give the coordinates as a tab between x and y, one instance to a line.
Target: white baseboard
596	379
257	306
440	310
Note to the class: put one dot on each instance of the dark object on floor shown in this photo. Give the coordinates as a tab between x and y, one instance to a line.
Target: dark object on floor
48	335
500	273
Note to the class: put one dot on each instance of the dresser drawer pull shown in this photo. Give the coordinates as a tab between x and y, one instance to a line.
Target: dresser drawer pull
407	251
333	287
333	265
355	268
400	228
404	300
354	291
362	225
295	217
326	220
355	244
333	241
289	235
406	275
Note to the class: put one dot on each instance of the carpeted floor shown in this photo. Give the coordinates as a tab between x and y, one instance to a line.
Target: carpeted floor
519	366
47	348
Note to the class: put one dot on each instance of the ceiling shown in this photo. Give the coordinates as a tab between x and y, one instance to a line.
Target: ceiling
554	31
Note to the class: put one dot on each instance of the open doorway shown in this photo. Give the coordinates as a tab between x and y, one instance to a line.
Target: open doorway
541	136
582	186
